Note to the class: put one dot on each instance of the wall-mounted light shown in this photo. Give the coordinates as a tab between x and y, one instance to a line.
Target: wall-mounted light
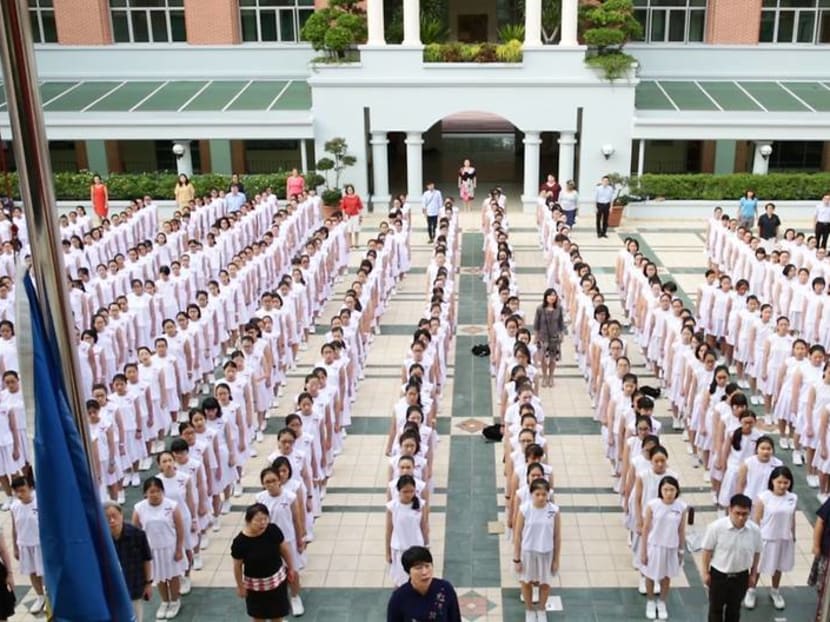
607	151
765	151
178	150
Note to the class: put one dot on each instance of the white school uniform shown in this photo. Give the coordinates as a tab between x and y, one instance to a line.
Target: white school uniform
158	523
757	475
281	514
25	517
537	542
663	540
778	553
406	532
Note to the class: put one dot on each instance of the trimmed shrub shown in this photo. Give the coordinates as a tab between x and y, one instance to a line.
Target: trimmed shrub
772	187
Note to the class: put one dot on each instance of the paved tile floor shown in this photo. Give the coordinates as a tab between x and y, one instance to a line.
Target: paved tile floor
346	578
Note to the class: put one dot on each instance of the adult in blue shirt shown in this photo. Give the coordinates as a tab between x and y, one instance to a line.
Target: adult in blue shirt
747	210
424	597
235	199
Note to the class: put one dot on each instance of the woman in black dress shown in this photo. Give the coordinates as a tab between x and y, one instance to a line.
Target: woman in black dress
549	326
262	566
467	184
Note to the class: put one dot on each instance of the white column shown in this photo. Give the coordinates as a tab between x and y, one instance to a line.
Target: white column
414	168
411	22
303	156
760	163
567	149
530	195
569	18
533	23
184	161
374	22
641	158
380	168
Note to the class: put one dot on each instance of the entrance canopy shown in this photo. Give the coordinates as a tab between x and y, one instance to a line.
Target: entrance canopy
732	109
134	109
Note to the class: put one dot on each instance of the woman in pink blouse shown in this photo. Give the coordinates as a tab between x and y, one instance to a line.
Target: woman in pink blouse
294	184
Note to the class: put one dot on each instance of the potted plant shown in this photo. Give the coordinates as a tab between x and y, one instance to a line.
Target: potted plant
607	28
337	30
620	201
338	162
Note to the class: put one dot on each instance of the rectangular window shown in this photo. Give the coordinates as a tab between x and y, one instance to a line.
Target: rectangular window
42	16
795	21
673	21
148	21
273	20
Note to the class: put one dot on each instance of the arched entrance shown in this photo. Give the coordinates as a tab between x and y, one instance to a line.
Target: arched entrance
492	143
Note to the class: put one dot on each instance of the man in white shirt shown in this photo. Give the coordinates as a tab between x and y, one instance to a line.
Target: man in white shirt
821	219
433	202
603	195
731	550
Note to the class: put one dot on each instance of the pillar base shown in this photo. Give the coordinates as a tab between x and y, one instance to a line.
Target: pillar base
380	202
529	204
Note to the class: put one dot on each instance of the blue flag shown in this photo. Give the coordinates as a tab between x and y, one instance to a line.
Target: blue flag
83	577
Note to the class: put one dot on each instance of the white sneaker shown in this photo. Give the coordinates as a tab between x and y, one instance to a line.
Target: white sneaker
777	600
822	497
226	506
782	442
685	435
707	476
198	564
161	612
768	419
7	504
641	586
144	463
135	480
541	615
204	541
253	453
281	391
121	499
173	609
749	599
237	490
530	615
40	603
662	612
185	585
259	436
691	451
216	525
651	610
297	608
798	459
812	481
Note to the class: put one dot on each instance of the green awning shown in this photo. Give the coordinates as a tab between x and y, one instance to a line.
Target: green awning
174	96
733	96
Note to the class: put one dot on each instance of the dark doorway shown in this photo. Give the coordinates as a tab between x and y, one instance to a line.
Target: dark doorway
472	28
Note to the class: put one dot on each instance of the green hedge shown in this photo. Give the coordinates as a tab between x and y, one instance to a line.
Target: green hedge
75	186
772	187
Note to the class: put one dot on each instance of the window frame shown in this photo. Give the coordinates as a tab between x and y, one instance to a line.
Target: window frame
257	10
36	13
819	9
129	11
687	10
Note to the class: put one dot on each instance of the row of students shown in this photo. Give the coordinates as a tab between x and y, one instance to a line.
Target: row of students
737	457
413	441
650	492
533	520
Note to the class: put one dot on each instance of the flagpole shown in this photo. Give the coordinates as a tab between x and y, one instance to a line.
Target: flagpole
31	152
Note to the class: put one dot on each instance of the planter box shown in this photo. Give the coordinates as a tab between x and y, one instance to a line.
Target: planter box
615	217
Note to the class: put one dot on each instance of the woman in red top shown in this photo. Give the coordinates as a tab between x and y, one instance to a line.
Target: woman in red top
99	197
352	206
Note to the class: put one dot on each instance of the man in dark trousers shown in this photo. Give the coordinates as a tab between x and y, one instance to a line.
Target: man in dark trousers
731	550
603	195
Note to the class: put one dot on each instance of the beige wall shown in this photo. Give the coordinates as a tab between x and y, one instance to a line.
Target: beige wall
733	21
83	22
212	22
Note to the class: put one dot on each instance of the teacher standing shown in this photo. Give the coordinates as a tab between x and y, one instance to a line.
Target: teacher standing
423	597
262	566
603	195
433	202
731	550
